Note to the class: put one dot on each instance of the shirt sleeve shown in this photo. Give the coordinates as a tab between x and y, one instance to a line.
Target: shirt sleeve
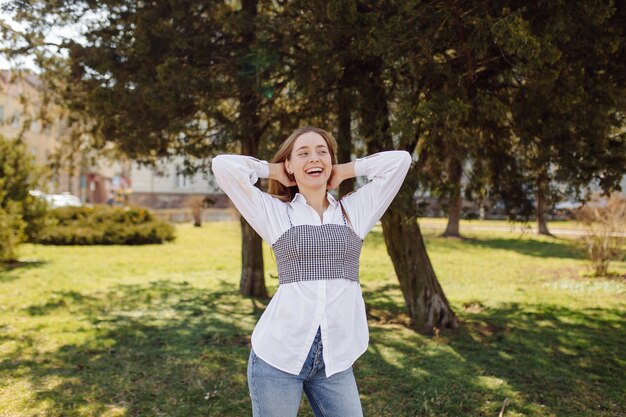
386	172
236	176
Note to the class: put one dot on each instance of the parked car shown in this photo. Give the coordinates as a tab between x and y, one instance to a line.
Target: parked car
567	205
58	200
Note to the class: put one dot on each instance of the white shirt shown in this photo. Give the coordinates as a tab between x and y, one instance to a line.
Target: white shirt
284	333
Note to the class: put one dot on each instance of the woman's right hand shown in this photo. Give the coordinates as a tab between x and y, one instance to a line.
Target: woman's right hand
278	173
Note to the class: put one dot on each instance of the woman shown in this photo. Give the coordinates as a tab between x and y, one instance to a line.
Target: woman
315	326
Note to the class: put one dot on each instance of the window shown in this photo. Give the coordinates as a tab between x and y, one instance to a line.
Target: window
181	180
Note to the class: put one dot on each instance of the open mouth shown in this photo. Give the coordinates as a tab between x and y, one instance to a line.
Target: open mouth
314	172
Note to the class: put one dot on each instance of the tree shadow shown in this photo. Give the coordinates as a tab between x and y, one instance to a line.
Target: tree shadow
459	238
556	356
169	348
537	248
554	248
547	360
7	268
164	348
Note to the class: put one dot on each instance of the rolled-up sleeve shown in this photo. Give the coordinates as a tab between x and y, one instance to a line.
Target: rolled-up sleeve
386	172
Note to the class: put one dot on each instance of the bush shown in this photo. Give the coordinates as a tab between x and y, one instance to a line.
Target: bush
103	225
36	214
605	227
11	232
22	215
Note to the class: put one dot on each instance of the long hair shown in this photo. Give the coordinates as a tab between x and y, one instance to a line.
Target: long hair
278	190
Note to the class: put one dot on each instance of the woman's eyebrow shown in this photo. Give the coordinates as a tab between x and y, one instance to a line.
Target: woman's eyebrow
305	146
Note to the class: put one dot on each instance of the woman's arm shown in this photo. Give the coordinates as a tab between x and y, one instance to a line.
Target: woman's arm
386	172
277	172
341	172
236	176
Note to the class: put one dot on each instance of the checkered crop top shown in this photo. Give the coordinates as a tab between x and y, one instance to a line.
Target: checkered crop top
310	252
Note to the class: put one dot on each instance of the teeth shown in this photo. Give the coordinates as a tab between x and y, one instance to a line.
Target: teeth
314	170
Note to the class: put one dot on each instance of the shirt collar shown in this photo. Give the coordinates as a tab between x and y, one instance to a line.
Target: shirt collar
299	197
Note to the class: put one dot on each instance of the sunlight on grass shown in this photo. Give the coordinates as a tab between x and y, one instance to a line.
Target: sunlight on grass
162	330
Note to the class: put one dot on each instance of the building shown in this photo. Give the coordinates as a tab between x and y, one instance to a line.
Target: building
21	101
93	180
165	187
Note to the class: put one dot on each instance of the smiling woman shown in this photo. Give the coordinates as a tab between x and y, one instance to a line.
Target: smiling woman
315	326
306	148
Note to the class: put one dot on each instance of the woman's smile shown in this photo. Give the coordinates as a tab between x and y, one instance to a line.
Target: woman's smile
310	161
315	172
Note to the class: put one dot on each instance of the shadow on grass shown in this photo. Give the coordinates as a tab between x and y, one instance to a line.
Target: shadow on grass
555	248
538	248
547	360
567	359
169	348
159	349
6	268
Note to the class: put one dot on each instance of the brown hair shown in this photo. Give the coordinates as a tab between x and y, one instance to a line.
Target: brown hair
278	190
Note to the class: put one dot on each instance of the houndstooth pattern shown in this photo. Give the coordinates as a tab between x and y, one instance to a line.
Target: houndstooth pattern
313	252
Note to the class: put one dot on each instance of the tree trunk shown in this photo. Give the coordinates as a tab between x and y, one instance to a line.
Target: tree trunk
542	187
455	201
424	298
344	136
252	282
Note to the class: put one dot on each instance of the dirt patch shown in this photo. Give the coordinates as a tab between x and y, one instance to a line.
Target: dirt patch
474	307
381	316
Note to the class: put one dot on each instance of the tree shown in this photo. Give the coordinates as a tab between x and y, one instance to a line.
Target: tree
160	79
471	66
21	214
568	111
502	87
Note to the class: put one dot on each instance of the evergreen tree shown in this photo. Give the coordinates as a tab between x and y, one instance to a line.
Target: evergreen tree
22	215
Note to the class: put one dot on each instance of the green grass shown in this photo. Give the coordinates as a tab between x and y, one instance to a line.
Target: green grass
161	331
554	224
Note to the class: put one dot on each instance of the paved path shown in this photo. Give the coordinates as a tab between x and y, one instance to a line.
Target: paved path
227	214
508	228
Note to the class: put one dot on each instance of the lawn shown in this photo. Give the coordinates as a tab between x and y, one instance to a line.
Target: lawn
553	224
161	331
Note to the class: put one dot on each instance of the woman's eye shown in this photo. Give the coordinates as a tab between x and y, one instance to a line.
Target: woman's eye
323	152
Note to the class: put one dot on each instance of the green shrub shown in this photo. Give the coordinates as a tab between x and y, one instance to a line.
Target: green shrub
103	225
36	214
11	231
22	216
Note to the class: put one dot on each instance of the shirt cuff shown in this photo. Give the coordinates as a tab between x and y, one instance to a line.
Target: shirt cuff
262	168
360	165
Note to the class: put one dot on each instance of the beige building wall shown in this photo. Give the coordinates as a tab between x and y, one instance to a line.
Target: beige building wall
41	140
164	187
106	182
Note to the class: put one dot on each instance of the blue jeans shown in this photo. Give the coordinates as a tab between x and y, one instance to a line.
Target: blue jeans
276	393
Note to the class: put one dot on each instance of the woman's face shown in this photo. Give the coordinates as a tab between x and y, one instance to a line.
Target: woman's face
310	161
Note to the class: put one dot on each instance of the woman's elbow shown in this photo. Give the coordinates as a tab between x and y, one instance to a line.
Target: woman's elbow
219	162
407	159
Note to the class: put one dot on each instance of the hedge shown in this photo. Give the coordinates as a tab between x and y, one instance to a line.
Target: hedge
104	225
